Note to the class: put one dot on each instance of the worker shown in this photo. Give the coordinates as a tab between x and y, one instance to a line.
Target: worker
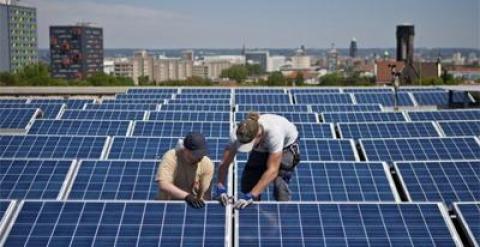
186	172
273	142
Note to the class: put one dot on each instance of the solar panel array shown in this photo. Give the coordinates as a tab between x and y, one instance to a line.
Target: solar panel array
83	172
17	118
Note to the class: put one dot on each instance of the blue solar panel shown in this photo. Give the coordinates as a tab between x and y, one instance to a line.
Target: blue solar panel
71	103
345	224
420	149
315	130
387	130
291	116
335	181
297	91
206	91
100	223
368	90
154	148
196	108
80	127
190	116
353	117
12	101
272	108
469	216
32	179
49	111
262	99
203	96
460	128
17	118
323	98
51	146
446	181
259	91
445	115
152	90
200	101
103	115
121	106
440	98
133	101
421	89
385	99
144	96
180	129
346	108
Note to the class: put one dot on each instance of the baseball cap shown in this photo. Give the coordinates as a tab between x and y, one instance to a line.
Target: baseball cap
196	143
246	133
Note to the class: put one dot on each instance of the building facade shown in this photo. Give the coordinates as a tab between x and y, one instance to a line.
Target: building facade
76	52
18	36
258	57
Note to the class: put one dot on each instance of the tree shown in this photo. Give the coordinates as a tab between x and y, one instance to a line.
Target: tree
254	69
237	72
299	80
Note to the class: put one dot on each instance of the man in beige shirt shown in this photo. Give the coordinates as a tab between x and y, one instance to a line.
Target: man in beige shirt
185	173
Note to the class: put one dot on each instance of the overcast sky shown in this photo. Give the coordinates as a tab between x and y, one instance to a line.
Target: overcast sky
261	23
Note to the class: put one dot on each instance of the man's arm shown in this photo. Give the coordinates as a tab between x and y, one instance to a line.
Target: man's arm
206	181
273	167
228	156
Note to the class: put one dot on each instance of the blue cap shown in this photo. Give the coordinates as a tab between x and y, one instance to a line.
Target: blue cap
196	143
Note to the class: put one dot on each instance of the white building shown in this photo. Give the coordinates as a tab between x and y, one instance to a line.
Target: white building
211	69
276	63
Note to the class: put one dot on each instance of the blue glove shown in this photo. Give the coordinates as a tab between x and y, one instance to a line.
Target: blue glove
221	194
244	202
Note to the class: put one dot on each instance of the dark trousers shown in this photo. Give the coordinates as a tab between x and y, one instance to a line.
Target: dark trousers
257	165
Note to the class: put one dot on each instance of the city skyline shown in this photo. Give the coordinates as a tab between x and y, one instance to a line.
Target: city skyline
213	24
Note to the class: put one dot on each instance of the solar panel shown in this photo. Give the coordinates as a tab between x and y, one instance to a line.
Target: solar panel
5	209
354	117
200	101
205	91
272	108
122	106
103	115
71	103
446	181
444	115
294	117
330	98
335	181
259	91
385	99
262	99
12	101
368	90
80	127
460	128
196	108
203	96
420	149
101	223
133	101
152	90
315	130
33	179
180	129
190	116
41	146
17	118
49	111
421	89
144	96
387	130
322	150
154	147
345	224
346	108
297	91
468	214
440	98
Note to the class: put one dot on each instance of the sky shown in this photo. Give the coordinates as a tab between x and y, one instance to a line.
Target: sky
171	24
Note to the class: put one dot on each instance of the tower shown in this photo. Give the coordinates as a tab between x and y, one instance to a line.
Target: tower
353	48
405	43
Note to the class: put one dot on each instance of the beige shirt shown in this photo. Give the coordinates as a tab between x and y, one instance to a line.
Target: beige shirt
190	178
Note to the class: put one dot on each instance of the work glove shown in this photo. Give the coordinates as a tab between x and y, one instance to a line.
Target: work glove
194	202
246	200
221	194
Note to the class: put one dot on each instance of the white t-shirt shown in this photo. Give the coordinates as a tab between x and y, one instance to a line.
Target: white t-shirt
279	133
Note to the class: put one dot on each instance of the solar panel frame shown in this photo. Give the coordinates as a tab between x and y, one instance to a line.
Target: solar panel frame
460	128
433	186
294	117
195	107
473	238
414	151
17	119
119	223
355	117
443	115
80	127
319	178
7	208
24	179
292	229
190	116
180	129
121	107
346	108
440	98
273	108
339	98
387	130
103	115
385	99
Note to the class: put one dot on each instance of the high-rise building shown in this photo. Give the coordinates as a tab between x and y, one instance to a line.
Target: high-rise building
332	59
353	48
76	52
211	69
405	43
188	55
258	57
18	36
